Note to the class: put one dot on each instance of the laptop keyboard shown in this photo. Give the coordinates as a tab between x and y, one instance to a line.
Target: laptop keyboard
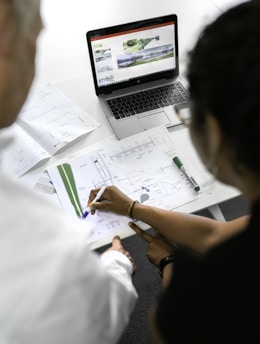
140	102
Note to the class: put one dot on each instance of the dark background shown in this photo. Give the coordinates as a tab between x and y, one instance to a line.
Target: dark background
148	281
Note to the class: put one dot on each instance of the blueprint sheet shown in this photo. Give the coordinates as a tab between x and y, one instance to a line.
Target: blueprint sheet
140	165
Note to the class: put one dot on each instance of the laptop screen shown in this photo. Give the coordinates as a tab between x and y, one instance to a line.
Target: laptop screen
133	53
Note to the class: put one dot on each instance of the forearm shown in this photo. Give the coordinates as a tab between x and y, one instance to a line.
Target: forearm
166	275
195	232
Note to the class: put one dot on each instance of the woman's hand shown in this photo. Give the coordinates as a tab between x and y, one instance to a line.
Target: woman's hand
158	246
112	200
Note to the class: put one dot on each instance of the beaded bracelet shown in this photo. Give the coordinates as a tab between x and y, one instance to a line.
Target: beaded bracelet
130	209
164	262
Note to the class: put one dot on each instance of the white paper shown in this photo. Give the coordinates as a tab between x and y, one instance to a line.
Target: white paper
140	165
22	154
49	122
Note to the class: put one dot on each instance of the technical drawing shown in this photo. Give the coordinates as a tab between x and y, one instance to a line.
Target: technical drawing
141	166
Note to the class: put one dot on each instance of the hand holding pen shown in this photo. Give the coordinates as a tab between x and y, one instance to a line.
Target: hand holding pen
96	198
112	200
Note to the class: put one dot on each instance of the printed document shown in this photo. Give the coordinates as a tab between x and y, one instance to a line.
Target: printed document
140	165
48	123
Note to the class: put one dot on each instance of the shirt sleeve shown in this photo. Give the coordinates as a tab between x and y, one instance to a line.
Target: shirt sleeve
123	294
61	291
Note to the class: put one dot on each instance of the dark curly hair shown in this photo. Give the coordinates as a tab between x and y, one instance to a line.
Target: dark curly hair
224	79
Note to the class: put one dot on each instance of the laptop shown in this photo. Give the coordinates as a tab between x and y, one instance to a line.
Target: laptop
135	70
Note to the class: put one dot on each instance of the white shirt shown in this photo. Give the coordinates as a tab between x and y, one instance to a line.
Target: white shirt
53	288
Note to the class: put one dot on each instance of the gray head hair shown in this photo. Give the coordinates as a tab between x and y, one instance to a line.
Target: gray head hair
25	11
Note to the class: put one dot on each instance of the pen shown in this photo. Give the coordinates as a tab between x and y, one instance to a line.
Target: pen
183	169
98	196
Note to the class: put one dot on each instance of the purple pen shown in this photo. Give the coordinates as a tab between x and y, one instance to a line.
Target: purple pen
98	196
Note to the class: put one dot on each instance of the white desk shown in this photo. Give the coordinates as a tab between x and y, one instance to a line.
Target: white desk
62	59
62	50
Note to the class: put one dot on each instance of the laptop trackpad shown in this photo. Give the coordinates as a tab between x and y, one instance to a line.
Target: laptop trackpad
153	120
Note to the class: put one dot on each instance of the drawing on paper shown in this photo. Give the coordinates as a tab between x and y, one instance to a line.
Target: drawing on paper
141	166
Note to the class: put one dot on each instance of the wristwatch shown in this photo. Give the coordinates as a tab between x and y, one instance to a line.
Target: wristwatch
164	262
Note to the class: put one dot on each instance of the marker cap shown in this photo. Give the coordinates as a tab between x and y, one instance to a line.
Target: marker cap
177	162
197	188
